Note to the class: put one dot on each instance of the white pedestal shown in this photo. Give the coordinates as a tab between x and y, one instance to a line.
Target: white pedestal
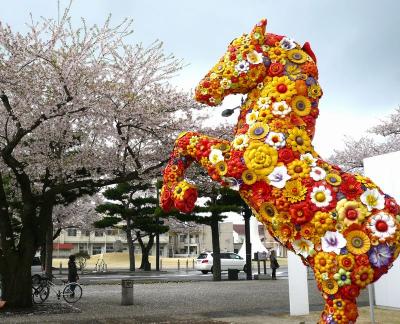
384	171
298	287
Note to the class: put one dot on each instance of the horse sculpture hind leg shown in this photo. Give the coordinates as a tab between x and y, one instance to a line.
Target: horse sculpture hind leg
342	225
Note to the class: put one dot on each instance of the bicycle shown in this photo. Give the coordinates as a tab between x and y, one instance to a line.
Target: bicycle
41	287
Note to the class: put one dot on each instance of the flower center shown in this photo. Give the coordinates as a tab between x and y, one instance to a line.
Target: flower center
357	242
381	226
351	214
320	196
298	169
371	200
364	276
299	140
282	88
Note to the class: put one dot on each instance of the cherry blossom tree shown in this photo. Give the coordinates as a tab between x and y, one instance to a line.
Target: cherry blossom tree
80	108
386	140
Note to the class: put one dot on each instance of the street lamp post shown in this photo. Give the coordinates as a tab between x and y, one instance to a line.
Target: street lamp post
246	215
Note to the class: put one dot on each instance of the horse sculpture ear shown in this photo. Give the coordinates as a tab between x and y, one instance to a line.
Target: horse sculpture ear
307	48
258	32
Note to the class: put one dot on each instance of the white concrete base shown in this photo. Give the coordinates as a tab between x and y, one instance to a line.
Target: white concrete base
298	286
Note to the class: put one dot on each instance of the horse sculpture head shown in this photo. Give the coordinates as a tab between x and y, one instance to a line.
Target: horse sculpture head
274	70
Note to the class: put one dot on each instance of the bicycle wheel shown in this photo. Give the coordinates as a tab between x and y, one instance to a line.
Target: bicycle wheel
72	292
40	294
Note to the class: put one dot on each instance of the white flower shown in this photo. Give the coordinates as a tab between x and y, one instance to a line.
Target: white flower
264	102
240	142
242	67
308	157
373	199
278	177
225	83
317	173
333	242
276	140
287	43
321	196
382	225
281	108
251	117
303	247
254	57
215	156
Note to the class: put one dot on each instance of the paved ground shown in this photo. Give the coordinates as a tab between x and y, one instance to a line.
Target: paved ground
263	301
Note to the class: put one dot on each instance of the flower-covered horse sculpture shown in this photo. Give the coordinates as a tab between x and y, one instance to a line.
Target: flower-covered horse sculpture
342	225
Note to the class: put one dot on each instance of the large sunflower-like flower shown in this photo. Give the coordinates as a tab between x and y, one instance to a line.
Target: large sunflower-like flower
314	91
298	169
330	286
299	140
357	242
281	88
295	191
297	56
268	212
350	212
260	158
301	105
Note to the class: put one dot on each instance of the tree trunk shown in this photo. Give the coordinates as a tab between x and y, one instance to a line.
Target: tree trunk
49	251
131	246
145	251
16	280
216	250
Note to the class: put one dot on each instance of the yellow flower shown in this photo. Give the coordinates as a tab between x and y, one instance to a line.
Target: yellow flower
357	242
365	181
264	115
293	71
299	140
301	105
249	177
307	231
258	130
294	191
297	56
277	54
325	262
222	168
330	286
285	232
314	91
346	261
363	275
225	83
281	88
333	179
268	212
350	212
298	169
180	189
260	158
193	141
323	222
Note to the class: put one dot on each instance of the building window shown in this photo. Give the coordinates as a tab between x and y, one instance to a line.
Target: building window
86	233
71	231
98	233
109	247
83	248
110	232
182	238
97	248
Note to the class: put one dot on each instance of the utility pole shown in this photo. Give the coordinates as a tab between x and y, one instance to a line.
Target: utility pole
246	215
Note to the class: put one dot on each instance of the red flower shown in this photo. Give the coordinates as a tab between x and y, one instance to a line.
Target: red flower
362	260
186	205
300	213
272	39
350	187
378	272
276	69
262	190
391	206
350	292
286	155
166	201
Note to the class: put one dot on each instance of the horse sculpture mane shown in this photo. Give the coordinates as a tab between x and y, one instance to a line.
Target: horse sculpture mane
340	224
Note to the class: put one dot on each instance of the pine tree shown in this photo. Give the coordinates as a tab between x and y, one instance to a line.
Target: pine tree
138	215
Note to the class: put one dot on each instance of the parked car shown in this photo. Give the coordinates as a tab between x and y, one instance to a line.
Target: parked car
229	260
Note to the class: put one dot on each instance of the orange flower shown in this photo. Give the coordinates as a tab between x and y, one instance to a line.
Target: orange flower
362	276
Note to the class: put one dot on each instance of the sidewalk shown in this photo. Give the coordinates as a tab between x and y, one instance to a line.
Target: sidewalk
263	301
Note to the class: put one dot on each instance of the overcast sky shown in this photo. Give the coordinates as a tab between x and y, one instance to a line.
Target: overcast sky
357	44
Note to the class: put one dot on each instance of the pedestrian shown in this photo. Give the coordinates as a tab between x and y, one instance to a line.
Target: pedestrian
273	263
72	273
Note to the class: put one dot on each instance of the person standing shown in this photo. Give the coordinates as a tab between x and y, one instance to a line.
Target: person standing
72	272
273	263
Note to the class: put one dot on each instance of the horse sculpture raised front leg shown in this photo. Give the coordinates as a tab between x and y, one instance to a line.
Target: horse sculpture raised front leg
340	224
